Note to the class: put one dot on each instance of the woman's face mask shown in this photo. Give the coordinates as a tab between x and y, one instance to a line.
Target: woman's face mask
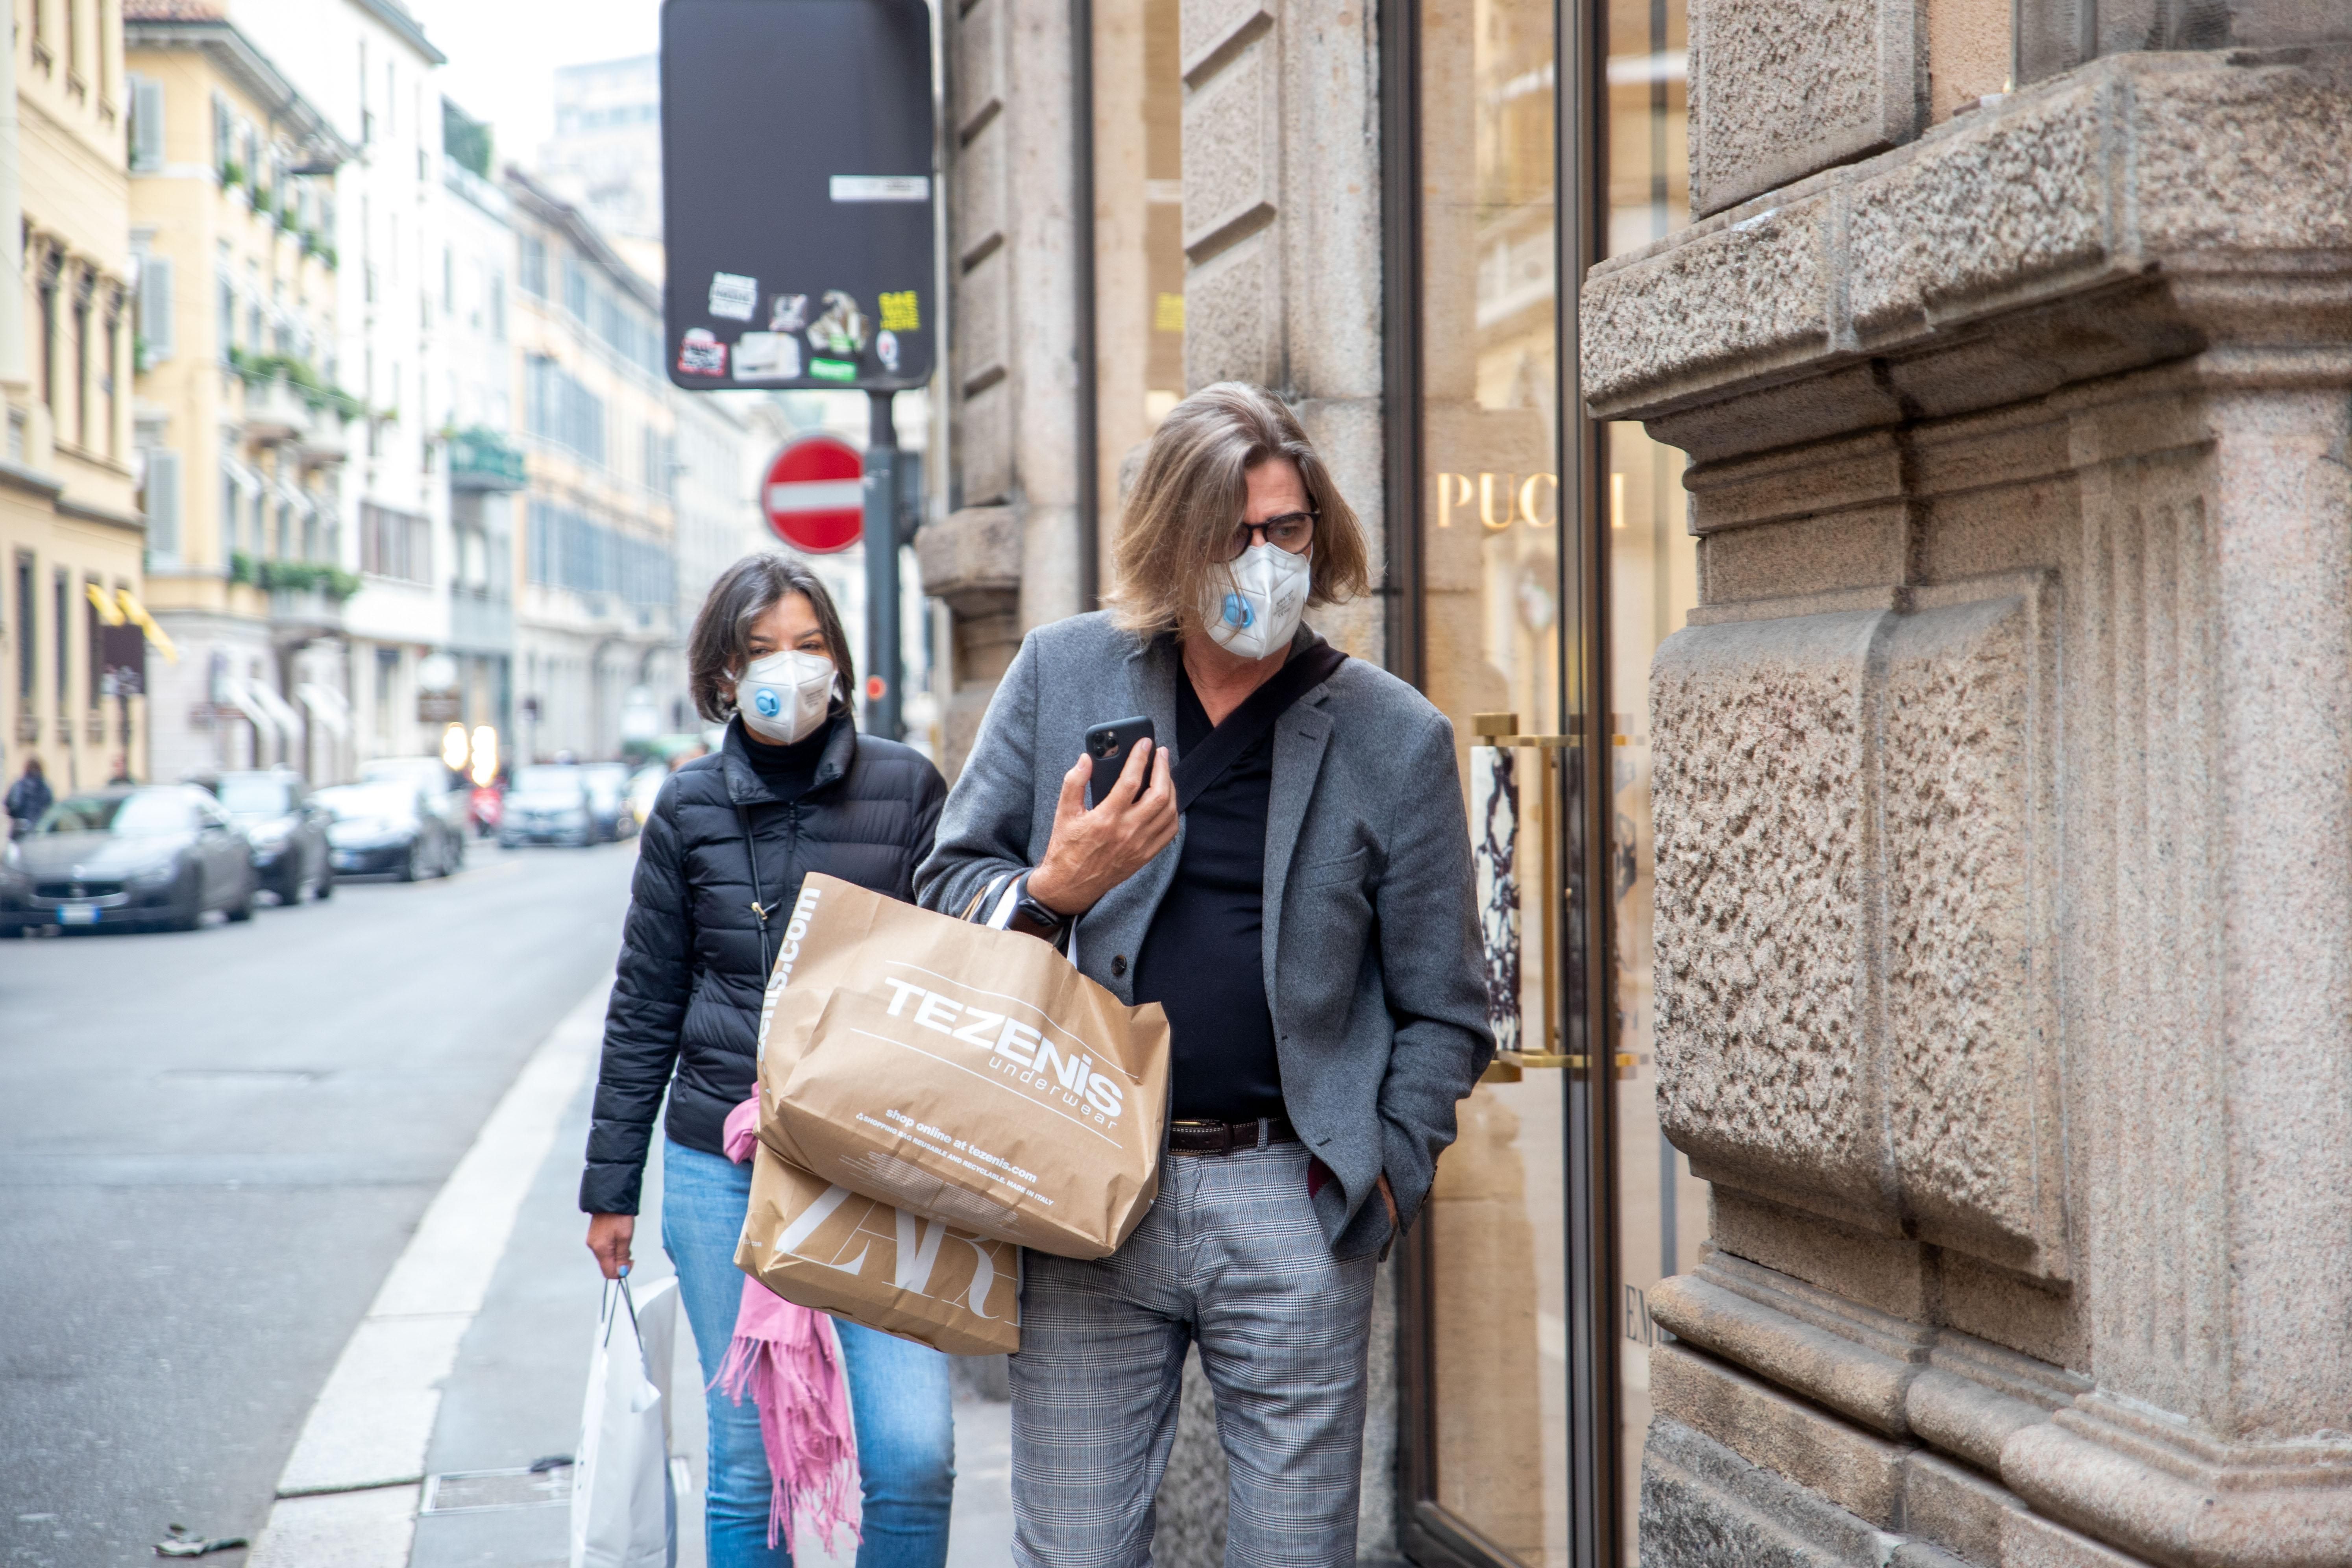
784	696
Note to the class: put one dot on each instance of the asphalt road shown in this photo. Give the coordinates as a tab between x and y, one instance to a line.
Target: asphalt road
213	1144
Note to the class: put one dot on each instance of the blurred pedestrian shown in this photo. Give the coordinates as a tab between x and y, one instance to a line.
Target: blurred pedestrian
119	773
29	795
1300	903
794	788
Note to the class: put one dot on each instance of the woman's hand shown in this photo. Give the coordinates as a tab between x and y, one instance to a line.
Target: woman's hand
608	1239
1091	852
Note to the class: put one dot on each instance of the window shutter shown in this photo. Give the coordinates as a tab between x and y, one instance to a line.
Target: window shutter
146	123
162	505
156	314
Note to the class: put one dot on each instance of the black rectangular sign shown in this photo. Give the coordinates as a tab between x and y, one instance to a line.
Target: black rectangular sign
797	193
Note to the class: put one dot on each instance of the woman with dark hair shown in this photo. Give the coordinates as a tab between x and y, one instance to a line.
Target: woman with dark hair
793	789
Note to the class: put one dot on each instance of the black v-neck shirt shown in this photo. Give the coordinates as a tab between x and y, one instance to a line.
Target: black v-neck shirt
1203	959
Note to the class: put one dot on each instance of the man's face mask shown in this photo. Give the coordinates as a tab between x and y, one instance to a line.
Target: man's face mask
1251	609
782	696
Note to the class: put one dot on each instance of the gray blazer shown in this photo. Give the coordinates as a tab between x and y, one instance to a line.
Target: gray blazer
1373	965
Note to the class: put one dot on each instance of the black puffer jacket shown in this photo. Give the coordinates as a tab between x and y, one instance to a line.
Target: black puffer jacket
687	997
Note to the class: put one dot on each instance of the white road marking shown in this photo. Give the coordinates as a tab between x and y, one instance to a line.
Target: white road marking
348	1496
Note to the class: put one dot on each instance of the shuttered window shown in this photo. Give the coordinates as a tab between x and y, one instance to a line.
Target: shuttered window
162	498
146	124
156	325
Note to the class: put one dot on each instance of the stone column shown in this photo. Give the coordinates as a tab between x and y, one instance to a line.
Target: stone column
2004	805
1282	234
1007	558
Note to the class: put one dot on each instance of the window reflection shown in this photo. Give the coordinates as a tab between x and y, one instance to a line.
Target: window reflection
1491	573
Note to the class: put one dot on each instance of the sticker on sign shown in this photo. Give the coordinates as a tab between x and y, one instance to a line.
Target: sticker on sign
881	187
732	295
767	356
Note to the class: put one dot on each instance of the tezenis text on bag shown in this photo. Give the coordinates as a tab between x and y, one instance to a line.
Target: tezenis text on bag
1017	1050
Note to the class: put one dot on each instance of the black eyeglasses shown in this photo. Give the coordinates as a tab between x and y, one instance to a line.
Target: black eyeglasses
1292	531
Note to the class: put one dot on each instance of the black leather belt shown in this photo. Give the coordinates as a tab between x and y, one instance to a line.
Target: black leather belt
1224	1137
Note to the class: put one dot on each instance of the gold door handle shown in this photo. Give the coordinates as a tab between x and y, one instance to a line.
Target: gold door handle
1520	1061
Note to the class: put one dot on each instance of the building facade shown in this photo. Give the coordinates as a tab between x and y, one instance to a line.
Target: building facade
1865	481
71	531
605	155
369	68
485	462
242	430
596	633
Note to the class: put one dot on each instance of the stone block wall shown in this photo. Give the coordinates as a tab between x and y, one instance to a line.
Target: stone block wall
1282	243
1282	234
2004	912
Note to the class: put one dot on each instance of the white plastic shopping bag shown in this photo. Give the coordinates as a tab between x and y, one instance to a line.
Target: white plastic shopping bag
623	1510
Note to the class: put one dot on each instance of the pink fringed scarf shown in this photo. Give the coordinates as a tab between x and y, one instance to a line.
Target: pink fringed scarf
789	1359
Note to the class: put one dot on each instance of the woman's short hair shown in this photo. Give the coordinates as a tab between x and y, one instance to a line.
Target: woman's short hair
721	644
1179	520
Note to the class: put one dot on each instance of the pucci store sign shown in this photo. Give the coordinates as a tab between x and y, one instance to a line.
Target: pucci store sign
1498	499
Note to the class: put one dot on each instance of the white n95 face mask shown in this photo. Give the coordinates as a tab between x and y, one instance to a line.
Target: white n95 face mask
782	696
1255	609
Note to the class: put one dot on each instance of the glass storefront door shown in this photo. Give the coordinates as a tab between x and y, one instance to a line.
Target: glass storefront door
1528	1328
1490	1281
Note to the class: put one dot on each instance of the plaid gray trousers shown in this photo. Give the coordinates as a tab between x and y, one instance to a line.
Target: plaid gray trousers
1230	1256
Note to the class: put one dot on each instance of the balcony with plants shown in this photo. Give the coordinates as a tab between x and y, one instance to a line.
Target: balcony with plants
482	459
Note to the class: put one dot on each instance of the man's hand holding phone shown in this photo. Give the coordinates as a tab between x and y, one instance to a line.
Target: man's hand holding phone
1091	852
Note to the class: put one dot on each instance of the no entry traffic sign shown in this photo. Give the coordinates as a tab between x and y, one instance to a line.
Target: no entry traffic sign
814	494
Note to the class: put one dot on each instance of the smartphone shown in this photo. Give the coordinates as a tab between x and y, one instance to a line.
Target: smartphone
1110	745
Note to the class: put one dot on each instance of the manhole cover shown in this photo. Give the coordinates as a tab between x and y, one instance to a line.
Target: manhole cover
466	1491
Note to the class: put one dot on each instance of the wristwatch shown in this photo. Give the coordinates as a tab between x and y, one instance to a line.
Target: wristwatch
1033	919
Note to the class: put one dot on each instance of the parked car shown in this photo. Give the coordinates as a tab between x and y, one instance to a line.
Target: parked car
549	802
287	831
445	789
644	788
157	855
608	799
392	826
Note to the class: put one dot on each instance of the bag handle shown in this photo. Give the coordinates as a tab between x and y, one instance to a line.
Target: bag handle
1247	724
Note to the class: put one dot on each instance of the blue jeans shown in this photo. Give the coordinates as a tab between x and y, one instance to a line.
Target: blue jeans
900	1396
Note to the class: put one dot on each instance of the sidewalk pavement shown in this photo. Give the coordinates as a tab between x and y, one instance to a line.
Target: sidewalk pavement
514	1393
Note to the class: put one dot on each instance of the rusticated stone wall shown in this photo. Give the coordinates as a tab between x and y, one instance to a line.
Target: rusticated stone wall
2004	825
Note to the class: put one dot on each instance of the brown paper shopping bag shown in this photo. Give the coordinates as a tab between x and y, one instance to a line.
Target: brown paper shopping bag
824	1246
969	1075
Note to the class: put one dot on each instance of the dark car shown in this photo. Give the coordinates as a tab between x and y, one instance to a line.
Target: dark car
389	827
158	855
549	802
286	828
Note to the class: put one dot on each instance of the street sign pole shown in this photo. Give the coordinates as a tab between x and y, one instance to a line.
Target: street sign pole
882	651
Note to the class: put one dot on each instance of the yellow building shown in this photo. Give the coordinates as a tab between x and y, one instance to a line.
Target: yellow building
241	423
69	521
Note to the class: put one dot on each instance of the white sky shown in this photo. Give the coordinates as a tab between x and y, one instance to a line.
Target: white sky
503	55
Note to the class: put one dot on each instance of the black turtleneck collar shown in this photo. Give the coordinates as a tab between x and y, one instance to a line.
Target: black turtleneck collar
759	771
